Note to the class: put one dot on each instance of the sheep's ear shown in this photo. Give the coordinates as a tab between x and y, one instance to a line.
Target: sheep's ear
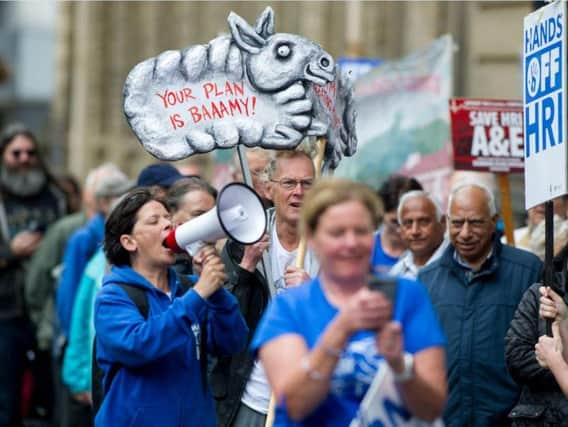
244	35
265	23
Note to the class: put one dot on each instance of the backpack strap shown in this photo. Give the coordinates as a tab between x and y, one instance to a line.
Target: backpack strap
138	297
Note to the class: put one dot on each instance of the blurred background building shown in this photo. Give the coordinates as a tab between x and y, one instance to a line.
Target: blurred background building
69	60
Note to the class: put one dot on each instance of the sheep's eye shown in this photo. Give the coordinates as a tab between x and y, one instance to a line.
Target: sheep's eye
283	51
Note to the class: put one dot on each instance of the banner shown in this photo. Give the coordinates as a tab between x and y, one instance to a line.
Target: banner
487	135
402	120
383	406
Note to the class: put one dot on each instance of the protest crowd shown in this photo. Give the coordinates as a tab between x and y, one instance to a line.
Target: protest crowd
209	339
354	302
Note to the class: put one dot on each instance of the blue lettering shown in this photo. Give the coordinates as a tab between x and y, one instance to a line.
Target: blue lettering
527	40
535	44
392	409
543	124
547	122
531	131
543	33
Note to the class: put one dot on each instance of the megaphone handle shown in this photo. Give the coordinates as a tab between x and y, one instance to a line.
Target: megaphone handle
301	253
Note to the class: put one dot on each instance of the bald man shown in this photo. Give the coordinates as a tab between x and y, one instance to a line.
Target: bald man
475	287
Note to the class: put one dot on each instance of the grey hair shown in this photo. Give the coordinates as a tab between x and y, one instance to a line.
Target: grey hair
488	195
105	178
415	194
305	148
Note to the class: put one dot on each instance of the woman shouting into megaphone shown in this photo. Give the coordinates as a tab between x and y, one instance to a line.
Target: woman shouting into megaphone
150	333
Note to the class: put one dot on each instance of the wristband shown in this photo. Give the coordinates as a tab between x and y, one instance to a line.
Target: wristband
330	351
408	372
309	370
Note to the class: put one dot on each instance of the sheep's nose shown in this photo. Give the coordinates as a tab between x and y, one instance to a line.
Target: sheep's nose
326	62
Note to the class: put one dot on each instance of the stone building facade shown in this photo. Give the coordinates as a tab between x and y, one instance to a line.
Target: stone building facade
99	42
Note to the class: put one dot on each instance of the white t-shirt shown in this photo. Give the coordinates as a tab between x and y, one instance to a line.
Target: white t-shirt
257	391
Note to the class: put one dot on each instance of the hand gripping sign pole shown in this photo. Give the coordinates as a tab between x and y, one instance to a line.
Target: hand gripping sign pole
544	98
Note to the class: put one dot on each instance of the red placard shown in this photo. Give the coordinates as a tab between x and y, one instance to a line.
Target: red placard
487	135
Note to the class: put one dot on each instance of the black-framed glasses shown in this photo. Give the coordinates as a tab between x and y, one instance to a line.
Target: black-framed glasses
17	153
290	184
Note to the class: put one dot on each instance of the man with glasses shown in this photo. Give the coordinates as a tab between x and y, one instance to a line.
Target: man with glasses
476	286
29	202
239	383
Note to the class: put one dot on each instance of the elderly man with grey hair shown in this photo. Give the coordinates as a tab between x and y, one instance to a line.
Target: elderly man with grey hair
475	287
422	227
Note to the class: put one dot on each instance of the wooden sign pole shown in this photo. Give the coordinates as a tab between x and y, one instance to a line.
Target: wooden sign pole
318	161
505	193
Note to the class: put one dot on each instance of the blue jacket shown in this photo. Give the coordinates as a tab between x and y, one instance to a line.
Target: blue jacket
159	382
77	361
80	247
475	311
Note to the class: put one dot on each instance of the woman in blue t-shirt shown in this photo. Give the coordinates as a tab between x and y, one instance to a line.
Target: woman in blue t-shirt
322	343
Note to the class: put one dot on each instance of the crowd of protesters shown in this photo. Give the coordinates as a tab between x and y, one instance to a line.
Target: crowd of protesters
102	324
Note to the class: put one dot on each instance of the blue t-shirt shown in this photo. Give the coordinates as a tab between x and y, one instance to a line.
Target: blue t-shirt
381	261
306	311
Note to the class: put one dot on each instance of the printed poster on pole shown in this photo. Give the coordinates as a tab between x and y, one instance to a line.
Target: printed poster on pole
544	96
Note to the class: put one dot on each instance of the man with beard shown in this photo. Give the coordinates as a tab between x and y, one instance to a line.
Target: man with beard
30	202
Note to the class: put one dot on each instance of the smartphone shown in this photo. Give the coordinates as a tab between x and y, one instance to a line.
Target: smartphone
384	284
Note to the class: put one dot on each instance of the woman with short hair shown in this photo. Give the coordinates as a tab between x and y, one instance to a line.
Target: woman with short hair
323	342
152	364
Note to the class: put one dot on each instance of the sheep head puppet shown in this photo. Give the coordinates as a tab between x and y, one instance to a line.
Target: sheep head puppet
253	87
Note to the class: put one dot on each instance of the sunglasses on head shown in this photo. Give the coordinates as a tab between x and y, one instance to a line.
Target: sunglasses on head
30	153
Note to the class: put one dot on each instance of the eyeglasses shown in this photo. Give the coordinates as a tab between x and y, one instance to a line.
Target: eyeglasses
290	184
16	153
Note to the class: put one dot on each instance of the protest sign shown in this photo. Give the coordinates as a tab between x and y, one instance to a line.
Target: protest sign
402	120
544	96
253	87
487	135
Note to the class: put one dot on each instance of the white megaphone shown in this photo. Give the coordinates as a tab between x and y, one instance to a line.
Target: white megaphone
238	214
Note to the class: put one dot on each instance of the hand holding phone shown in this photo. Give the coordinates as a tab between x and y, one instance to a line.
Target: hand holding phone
370	308
384	284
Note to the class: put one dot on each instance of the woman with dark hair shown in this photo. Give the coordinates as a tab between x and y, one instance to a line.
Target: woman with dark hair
152	364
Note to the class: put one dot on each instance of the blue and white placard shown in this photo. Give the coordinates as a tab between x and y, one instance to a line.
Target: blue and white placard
544	95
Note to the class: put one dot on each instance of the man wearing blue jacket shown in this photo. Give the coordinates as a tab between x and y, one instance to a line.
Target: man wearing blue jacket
475	287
